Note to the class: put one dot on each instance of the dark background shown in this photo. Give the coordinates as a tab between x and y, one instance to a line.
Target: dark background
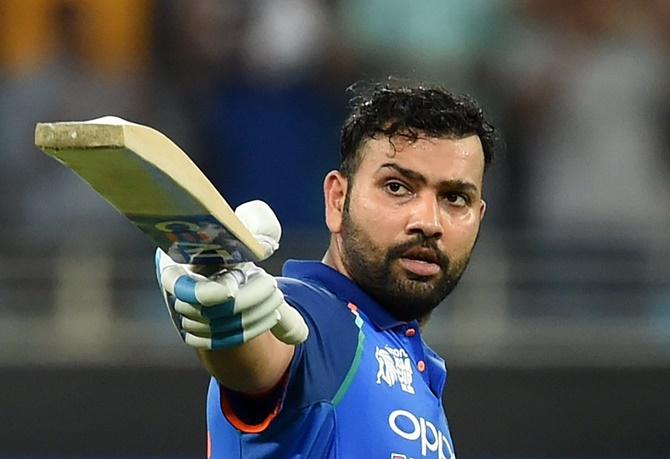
143	412
557	339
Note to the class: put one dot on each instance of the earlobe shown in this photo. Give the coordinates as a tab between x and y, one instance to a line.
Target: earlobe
334	192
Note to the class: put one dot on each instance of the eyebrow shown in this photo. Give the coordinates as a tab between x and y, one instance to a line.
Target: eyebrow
454	184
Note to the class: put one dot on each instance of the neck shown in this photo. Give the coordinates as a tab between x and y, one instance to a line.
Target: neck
333	257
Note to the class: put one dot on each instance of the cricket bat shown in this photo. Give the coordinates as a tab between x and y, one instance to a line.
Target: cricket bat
152	182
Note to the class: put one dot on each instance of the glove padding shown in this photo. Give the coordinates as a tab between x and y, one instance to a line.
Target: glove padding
234	305
223	311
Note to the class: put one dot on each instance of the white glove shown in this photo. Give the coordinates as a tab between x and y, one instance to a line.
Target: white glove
236	304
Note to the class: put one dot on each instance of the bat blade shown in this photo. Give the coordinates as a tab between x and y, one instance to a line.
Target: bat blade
152	182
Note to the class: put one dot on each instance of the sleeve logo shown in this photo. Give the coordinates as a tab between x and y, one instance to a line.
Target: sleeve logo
394	367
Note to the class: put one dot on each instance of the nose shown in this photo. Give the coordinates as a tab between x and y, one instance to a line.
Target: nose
426	218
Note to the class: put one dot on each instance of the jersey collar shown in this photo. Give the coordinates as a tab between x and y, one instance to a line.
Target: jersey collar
342	287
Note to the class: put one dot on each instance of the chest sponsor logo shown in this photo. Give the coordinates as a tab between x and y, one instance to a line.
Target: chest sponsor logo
434	443
395	367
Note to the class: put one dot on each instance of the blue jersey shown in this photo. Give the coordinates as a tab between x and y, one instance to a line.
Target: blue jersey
363	385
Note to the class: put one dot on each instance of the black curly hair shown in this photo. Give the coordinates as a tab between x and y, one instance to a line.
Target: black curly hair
398	108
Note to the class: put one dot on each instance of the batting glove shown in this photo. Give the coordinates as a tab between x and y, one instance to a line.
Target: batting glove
233	306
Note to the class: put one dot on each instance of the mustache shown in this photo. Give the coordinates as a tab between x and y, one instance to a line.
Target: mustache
420	247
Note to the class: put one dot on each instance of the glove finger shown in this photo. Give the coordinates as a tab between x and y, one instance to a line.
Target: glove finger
220	290
218	311
232	278
194	322
169	274
291	328
258	312
188	310
191	287
228	326
162	261
262	222
204	291
198	342
226	341
260	327
174	315
196	327
256	290
196	289
237	324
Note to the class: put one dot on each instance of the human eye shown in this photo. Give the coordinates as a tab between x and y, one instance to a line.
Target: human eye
396	188
457	199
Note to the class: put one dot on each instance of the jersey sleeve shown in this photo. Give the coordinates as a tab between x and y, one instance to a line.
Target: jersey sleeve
323	364
320	368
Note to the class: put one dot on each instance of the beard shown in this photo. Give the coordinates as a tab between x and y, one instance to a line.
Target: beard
405	295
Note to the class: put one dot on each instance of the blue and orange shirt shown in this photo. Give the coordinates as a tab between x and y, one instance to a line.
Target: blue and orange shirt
363	385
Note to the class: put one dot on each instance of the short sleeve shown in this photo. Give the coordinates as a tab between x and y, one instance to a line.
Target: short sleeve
320	364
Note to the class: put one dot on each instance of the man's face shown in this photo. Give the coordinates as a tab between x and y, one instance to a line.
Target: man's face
410	220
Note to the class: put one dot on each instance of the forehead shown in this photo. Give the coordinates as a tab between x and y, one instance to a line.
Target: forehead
437	158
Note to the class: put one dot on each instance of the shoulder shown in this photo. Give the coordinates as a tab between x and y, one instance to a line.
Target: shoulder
321	363
301	289
315	302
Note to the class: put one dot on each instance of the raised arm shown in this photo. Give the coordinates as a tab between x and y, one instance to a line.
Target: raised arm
236	318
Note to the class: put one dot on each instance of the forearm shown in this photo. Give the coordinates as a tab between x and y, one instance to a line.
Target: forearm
254	367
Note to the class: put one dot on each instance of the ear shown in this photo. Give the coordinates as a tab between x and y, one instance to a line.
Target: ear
334	193
482	210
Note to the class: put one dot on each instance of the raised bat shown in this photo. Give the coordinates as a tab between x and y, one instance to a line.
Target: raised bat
152	182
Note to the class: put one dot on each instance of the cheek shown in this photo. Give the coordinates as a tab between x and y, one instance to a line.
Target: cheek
461	233
380	221
366	207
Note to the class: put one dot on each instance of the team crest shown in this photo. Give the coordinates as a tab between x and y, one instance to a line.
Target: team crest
395	367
